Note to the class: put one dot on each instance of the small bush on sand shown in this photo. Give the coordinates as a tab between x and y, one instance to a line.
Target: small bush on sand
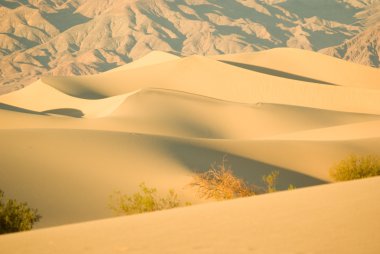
219	183
146	200
271	181
356	167
16	216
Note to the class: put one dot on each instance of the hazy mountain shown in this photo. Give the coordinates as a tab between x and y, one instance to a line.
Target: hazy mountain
74	37
363	48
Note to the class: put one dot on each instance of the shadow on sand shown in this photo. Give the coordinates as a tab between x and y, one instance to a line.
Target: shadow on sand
65	112
199	159
20	110
277	73
71	112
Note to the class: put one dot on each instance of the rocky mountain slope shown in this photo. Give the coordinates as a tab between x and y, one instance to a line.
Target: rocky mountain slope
364	48
76	37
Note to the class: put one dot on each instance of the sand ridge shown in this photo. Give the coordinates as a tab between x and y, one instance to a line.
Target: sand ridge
207	77
289	63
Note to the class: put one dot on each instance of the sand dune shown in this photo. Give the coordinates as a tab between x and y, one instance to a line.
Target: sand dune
344	132
312	158
68	142
84	167
171	113
179	114
109	161
307	66
152	58
40	97
211	78
69	174
273	223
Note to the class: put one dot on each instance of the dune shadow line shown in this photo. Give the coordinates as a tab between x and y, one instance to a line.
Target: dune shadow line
59	111
20	110
72	87
65	112
277	73
199	159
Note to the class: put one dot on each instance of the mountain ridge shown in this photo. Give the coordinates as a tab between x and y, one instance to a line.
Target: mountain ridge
77	37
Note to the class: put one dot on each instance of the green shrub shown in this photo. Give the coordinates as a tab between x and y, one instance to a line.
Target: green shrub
15	216
356	167
146	200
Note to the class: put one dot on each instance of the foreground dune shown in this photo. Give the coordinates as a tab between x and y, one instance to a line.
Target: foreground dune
91	165
337	218
84	167
67	143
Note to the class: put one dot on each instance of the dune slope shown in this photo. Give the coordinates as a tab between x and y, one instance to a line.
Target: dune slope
43	98
308	66
67	143
323	219
211	78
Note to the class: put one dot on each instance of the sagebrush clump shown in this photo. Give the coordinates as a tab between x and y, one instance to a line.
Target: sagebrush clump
16	216
220	183
356	167
146	200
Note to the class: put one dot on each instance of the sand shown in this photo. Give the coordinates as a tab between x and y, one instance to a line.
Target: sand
68	143
288	63
335	218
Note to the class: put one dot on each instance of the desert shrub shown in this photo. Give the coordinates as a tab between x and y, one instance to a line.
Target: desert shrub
219	183
146	200
16	216
270	181
356	167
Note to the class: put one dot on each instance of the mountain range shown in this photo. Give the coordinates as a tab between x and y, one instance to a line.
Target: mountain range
81	37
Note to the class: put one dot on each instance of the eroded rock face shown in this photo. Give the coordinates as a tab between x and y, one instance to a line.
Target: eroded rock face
363	48
78	37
